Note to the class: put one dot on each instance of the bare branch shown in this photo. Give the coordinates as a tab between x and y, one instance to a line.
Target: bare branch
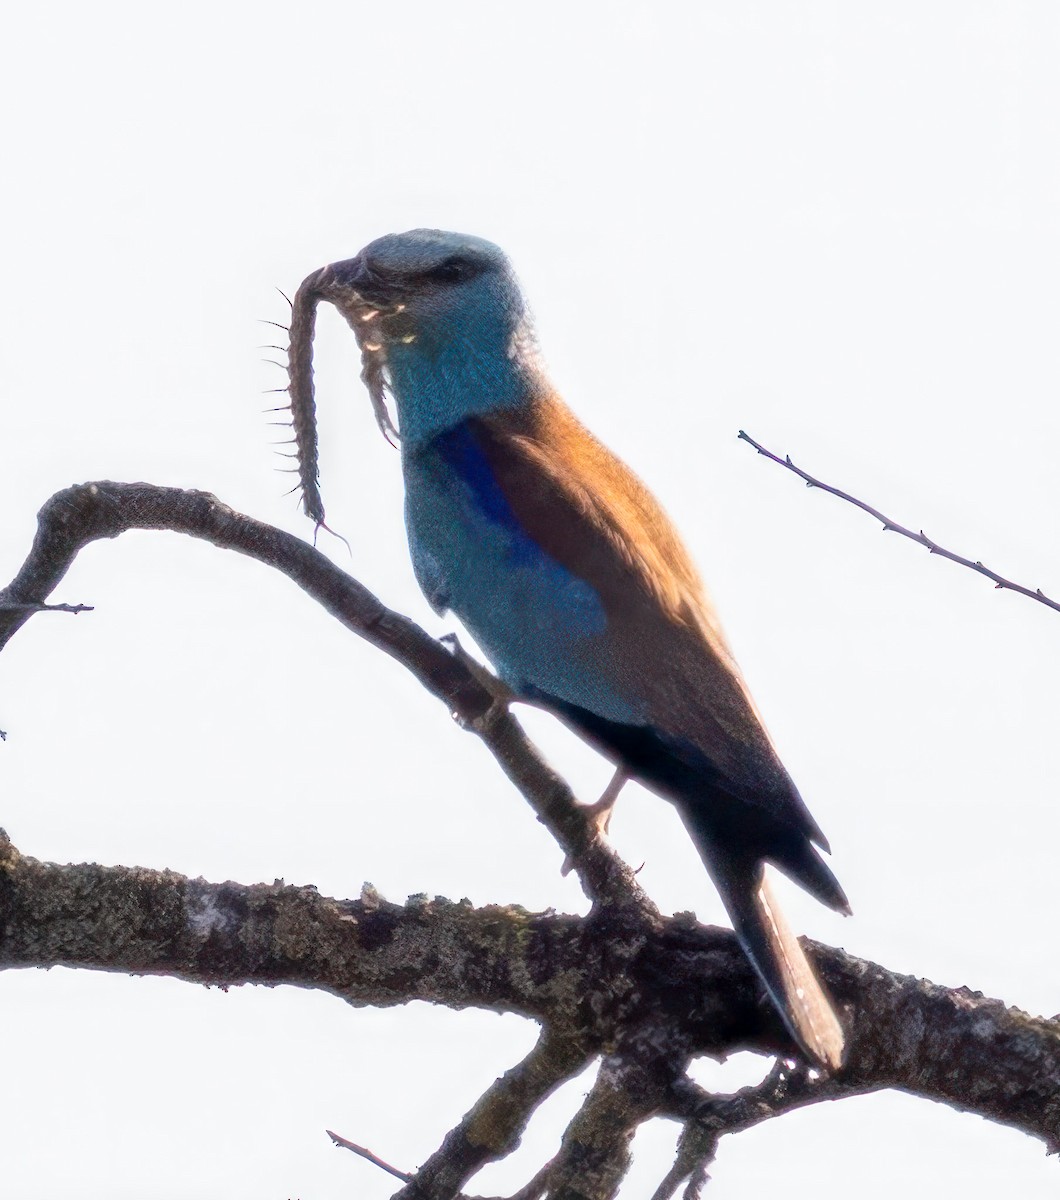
652	996
374	1159
537	1187
890	526
493	1128
709	1117
645	991
696	1150
534	1190
365	951
787	1087
73	518
13	606
633	1083
674	990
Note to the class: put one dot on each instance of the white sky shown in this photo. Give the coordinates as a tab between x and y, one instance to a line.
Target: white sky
831	224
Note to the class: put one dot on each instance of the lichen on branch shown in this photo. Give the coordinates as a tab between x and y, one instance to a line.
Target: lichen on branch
639	993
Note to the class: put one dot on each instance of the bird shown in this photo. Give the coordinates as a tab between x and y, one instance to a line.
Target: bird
574	581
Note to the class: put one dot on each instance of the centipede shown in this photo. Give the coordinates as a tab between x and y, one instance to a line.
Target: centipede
364	319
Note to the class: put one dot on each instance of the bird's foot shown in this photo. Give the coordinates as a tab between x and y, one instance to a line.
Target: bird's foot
599	814
502	694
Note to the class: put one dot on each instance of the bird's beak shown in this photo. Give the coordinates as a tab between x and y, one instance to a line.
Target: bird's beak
349	283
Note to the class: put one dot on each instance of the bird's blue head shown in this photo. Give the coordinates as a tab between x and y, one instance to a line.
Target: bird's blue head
441	321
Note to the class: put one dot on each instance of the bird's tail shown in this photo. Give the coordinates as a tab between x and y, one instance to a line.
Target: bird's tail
780	961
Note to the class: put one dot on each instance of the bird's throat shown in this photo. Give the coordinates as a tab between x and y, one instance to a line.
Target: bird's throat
439	383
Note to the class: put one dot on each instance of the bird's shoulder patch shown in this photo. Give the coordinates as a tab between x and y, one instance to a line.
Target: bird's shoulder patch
582	506
464	450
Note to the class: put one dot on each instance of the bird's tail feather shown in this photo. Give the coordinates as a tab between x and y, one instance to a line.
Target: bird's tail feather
780	961
802	863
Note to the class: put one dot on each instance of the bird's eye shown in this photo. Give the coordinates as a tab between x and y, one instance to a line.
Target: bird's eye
453	270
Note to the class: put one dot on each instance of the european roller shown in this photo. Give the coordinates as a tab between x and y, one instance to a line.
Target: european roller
573	580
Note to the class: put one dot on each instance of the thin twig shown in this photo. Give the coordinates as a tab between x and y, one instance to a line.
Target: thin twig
13	606
404	1176
890	526
534	1190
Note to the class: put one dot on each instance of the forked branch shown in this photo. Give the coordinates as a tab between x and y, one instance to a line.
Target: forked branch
73	518
640	993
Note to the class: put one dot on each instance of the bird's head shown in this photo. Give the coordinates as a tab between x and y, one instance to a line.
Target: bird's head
441	324
440	314
435	281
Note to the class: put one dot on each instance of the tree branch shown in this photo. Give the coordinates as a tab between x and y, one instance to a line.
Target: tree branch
633	1083
707	1117
643	992
79	515
651	996
493	1128
890	526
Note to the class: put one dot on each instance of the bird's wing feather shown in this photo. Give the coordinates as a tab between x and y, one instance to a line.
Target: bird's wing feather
587	511
584	508
429	574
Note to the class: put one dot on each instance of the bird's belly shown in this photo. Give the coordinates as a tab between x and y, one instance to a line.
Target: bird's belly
543	628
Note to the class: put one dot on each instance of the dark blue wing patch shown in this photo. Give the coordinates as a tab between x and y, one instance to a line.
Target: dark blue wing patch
463	454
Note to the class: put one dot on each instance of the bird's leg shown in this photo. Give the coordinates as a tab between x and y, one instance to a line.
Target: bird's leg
599	813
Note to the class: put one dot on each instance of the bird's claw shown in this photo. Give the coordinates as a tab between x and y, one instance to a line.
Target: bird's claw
502	694
599	814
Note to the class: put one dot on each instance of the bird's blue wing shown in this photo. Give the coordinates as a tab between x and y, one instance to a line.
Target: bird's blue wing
430	574
464	450
656	659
